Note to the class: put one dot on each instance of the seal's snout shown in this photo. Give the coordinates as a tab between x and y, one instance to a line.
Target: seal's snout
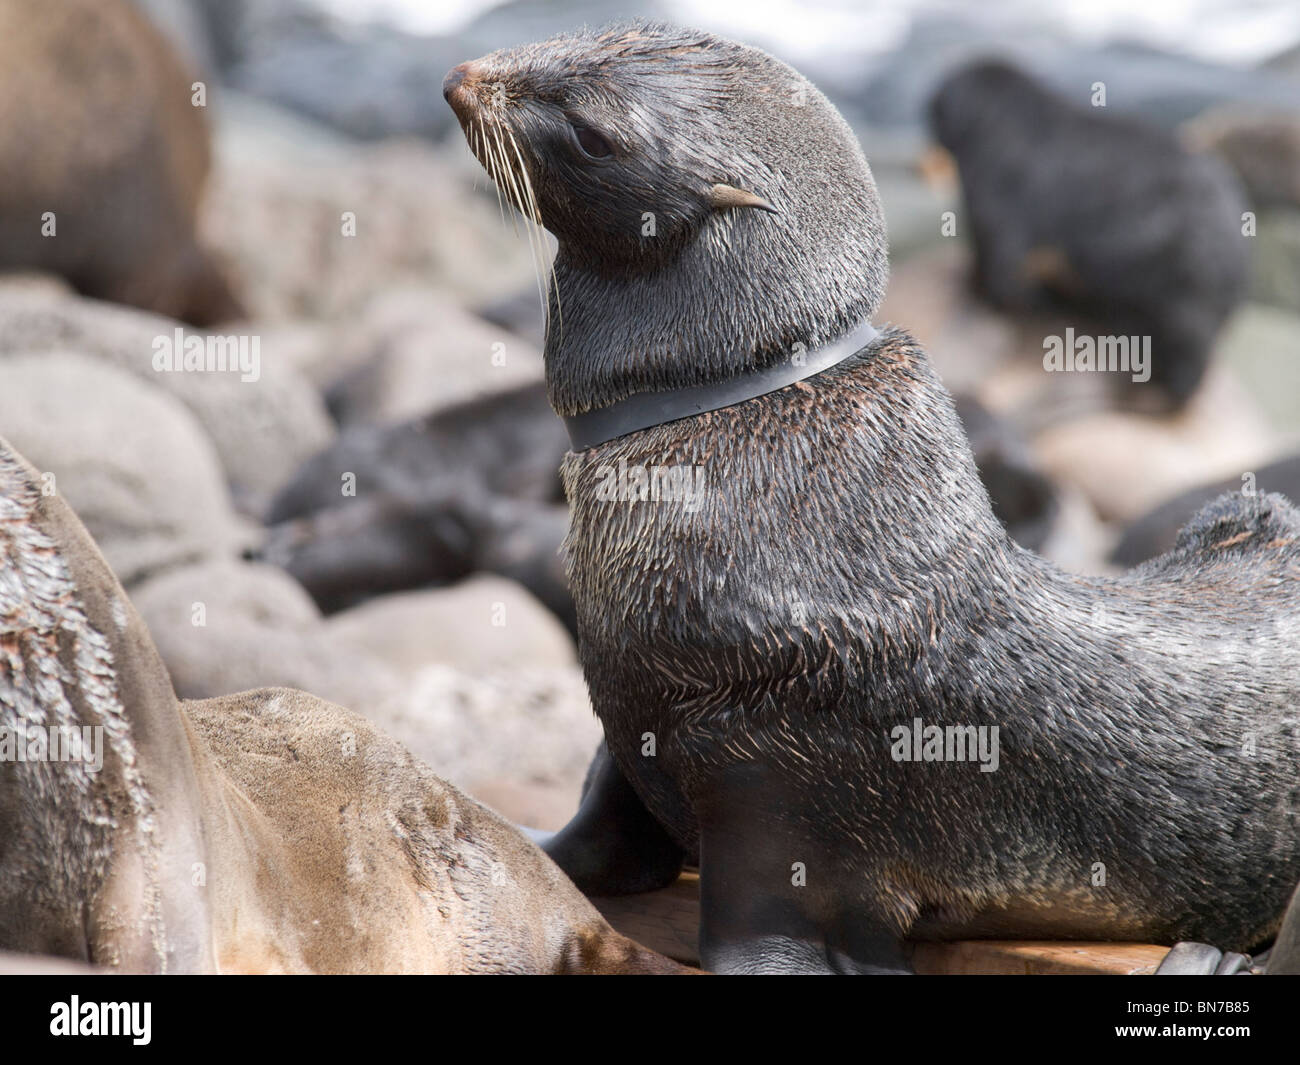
457	86
453	80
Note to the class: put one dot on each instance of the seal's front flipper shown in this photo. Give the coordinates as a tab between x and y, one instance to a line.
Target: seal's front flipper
613	845
1190	959
1201	959
771	901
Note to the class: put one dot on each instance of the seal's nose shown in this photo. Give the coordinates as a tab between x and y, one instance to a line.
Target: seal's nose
459	89
452	81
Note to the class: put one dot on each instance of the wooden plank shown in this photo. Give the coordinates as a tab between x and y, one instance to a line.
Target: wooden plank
668	921
999	957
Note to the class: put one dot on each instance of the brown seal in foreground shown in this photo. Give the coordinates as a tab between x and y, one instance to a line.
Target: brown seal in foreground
821	664
267	831
98	137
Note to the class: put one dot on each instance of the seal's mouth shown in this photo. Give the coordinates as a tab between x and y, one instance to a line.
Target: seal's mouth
493	143
490	136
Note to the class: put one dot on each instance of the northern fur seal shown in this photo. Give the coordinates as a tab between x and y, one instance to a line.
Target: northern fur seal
473	487
268	831
476	487
1074	209
103	158
773	655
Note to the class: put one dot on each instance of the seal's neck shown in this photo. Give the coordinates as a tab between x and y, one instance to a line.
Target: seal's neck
726	306
642	410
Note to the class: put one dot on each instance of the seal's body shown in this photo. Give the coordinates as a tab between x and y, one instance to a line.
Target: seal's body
1072	208
267	831
103	158
767	653
775	658
473	486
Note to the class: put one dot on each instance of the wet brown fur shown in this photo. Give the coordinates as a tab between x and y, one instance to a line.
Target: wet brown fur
97	126
267	831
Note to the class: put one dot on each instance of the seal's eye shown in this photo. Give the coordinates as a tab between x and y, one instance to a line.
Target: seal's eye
592	143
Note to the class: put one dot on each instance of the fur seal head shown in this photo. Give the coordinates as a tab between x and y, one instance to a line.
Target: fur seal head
675	169
976	101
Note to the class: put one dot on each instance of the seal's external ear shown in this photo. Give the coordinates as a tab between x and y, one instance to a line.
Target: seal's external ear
730	196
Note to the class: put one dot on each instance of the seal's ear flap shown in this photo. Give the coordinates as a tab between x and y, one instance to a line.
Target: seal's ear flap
730	196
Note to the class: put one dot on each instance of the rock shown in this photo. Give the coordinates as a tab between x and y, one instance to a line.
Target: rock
1124	463
480	625
1079	540
185	24
516	729
129	458
263	430
519	312
1264	150
418	219
410	355
234	27
374	82
914	207
1275	278
1286	61
1163	87
260	629
1262	347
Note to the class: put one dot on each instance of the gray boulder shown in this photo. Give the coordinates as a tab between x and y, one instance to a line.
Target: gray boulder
263	429
130	459
480	625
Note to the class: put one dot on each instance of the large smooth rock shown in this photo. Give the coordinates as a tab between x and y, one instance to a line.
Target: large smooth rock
1261	345
480	625
263	429
258	629
276	209
1275	278
1125	463
411	353
520	738
132	461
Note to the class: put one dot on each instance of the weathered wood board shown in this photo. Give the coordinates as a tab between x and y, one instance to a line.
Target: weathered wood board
667	920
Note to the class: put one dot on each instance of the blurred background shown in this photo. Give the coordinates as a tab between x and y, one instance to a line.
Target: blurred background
375	518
